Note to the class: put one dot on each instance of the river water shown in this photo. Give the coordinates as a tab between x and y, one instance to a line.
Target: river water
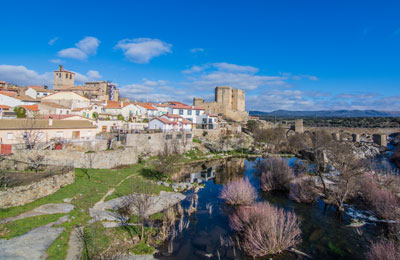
325	235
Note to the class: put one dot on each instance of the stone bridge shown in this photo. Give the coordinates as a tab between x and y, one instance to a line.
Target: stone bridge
378	136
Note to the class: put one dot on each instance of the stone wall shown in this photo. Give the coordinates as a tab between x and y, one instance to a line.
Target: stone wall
97	160
21	195
136	145
152	144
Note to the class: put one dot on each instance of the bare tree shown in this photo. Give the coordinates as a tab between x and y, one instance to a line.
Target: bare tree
320	142
139	202
342	158
36	162
272	137
90	157
30	134
167	159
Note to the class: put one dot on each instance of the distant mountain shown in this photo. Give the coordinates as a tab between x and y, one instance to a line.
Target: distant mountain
328	113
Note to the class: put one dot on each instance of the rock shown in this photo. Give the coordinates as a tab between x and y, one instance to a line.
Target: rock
67	200
159	203
46	209
31	245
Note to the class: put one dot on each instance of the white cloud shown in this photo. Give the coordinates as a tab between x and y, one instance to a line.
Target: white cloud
88	45
57	61
234	68
193	69
73	53
20	75
91	75
195	50
52	41
142	50
85	47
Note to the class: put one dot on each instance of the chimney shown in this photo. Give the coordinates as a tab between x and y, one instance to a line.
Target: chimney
50	121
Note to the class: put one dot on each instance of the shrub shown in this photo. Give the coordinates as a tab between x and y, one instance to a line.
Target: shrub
264	229
303	191
383	250
381	201
239	192
276	174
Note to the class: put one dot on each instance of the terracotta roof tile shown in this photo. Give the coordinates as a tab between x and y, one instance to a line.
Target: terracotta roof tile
33	108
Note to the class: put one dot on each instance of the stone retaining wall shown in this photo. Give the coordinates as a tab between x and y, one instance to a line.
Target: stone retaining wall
98	160
21	195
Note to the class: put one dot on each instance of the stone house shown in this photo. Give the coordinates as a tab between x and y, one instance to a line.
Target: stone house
68	99
48	108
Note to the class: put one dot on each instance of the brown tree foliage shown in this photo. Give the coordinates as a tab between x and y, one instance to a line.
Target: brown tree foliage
263	229
239	192
276	174
383	250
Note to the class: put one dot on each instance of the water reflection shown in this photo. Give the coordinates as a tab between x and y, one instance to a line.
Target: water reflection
324	235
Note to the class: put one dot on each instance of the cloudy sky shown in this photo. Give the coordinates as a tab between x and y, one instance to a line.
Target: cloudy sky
294	55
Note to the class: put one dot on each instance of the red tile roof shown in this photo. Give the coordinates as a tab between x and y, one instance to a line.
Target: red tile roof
164	120
4	107
180	105
148	106
33	108
9	93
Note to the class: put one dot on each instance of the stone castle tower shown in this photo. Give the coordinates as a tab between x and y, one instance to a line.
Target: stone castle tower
63	78
228	102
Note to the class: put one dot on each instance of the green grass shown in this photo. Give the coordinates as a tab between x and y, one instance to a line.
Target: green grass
85	193
21	226
195	140
143	249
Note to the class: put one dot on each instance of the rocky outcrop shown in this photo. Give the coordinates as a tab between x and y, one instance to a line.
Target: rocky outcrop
107	210
20	195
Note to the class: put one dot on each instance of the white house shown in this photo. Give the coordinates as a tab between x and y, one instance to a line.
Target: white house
38	92
162	109
163	124
147	109
127	110
9	98
182	123
191	113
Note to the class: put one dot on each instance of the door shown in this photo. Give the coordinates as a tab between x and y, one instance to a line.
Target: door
76	134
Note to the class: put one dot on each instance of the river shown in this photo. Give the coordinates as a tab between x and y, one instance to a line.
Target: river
324	234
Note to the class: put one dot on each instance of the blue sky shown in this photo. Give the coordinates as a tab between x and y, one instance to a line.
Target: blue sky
295	55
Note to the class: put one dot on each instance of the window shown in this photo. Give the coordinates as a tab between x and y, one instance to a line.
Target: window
204	120
197	112
59	134
189	112
188	136
10	136
178	136
210	120
66	76
168	137
181	111
70	76
59	75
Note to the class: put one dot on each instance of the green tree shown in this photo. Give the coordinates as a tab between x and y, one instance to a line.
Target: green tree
20	111
95	115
